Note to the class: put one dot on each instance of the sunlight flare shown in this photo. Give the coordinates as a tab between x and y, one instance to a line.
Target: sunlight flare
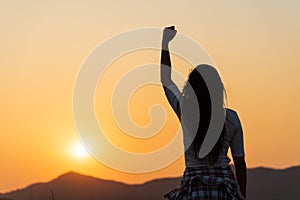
79	151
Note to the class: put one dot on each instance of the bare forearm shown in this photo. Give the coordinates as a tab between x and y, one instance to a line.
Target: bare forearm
241	173
165	66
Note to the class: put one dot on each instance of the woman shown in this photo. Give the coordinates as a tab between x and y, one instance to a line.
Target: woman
208	177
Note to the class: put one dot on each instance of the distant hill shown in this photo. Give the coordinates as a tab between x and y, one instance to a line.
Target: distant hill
74	186
263	183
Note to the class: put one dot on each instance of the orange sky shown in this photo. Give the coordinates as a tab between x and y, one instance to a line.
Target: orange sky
255	46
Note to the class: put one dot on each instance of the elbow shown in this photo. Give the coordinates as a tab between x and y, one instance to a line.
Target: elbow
240	167
239	161
166	82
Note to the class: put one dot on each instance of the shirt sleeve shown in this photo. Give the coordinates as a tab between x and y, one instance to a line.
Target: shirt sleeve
174	97
237	142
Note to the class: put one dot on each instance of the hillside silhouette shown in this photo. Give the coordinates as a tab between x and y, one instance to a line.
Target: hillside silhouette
263	183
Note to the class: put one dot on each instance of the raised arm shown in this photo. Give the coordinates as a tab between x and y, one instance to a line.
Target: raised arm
171	90
165	63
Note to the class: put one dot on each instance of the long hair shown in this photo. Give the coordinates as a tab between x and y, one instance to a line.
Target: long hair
197	108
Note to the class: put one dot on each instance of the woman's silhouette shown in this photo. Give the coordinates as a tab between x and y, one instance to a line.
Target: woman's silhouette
210	177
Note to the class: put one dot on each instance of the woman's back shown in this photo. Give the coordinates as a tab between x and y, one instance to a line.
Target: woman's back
233	138
233	135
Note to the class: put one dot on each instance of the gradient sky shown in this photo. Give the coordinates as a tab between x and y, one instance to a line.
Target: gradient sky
254	44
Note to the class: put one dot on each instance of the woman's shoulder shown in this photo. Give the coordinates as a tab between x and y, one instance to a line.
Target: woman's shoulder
232	116
230	111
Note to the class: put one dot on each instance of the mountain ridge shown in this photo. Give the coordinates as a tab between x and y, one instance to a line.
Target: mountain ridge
263	183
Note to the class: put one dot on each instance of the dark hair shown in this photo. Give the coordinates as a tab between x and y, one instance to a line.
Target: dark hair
197	95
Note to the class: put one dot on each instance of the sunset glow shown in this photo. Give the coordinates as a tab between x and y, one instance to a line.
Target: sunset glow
255	46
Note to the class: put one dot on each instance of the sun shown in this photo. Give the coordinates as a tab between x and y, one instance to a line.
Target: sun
79	151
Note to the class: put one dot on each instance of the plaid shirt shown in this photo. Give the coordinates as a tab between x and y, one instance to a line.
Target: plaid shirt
210	183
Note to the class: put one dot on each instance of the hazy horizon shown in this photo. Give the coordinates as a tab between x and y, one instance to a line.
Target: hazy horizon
120	181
